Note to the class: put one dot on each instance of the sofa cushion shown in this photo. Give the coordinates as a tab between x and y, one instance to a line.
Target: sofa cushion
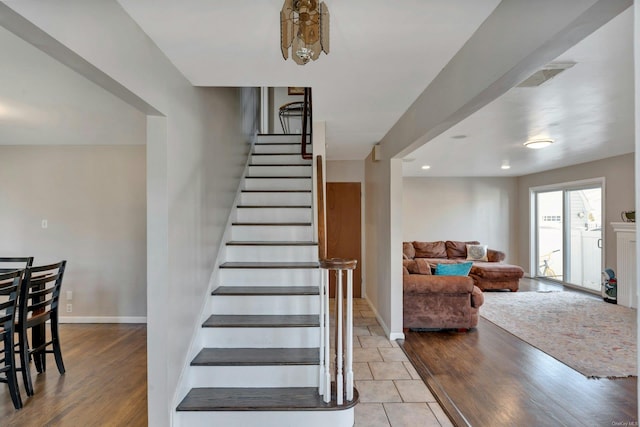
458	269
456	249
496	271
418	266
430	249
408	251
477	253
416	284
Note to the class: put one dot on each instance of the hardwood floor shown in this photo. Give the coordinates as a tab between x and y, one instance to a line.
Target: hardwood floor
488	377
105	383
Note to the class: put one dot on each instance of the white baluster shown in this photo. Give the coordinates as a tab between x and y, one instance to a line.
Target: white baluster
349	341
322	342
327	328
339	361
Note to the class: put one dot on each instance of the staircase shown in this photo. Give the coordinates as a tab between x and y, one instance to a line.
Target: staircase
259	365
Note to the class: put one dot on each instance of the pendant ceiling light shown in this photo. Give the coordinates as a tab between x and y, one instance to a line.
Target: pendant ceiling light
537	144
304	27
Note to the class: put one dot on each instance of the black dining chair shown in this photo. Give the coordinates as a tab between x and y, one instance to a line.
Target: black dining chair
10	284
37	305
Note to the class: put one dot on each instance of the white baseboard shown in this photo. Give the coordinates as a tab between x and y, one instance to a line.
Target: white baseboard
103	319
391	335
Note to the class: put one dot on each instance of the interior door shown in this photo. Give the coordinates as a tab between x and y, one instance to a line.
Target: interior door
344	228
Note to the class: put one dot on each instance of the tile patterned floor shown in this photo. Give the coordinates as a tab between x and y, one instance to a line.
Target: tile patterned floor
391	391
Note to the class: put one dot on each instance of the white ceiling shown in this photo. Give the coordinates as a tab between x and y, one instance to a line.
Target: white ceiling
588	110
383	54
382	57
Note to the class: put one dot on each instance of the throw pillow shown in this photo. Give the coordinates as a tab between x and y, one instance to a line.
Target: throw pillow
459	269
458	249
418	266
477	253
408	251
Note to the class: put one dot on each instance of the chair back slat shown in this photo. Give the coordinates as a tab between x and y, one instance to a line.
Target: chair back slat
40	294
10	284
17	263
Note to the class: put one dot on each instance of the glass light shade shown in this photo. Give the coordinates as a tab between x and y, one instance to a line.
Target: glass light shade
537	144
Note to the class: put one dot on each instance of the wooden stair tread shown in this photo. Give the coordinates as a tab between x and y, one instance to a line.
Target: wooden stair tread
266	290
275	154
268	243
261	321
260	399
239	264
256	357
275	191
273	206
277	177
303	165
273	224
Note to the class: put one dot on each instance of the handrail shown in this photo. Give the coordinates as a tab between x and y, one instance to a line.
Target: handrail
322	230
307	121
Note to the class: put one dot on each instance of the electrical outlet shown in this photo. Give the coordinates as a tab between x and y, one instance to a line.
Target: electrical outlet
45	223
69	295
69	308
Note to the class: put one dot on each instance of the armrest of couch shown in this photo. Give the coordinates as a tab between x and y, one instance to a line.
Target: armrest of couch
423	284
495	255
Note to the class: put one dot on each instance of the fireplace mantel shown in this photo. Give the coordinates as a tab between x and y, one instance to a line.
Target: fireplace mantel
626	264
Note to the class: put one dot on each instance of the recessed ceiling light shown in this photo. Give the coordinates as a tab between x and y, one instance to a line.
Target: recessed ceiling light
425	167
505	167
537	144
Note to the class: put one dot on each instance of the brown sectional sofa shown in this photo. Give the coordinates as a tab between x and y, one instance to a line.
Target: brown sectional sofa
487	275
449	302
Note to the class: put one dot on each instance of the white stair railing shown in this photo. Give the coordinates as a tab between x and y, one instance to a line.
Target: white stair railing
343	331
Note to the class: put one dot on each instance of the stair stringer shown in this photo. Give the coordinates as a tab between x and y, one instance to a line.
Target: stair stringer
184	381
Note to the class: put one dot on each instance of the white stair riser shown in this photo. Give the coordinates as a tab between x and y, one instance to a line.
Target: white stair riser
279	159
261	304
272	253
255	376
280	148
271	138
307	337
275	199
277	184
272	233
274	215
343	418
269	277
280	170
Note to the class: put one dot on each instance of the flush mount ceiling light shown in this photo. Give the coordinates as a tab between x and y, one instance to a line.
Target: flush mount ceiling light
537	144
425	167
304	27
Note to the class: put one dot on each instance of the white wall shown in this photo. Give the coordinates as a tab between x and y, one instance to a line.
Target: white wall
619	174
94	200
197	148
482	209
383	232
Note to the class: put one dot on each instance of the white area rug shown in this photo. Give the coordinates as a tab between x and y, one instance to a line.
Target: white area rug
593	337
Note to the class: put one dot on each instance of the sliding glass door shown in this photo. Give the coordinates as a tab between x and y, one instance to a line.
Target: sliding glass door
550	234
568	233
